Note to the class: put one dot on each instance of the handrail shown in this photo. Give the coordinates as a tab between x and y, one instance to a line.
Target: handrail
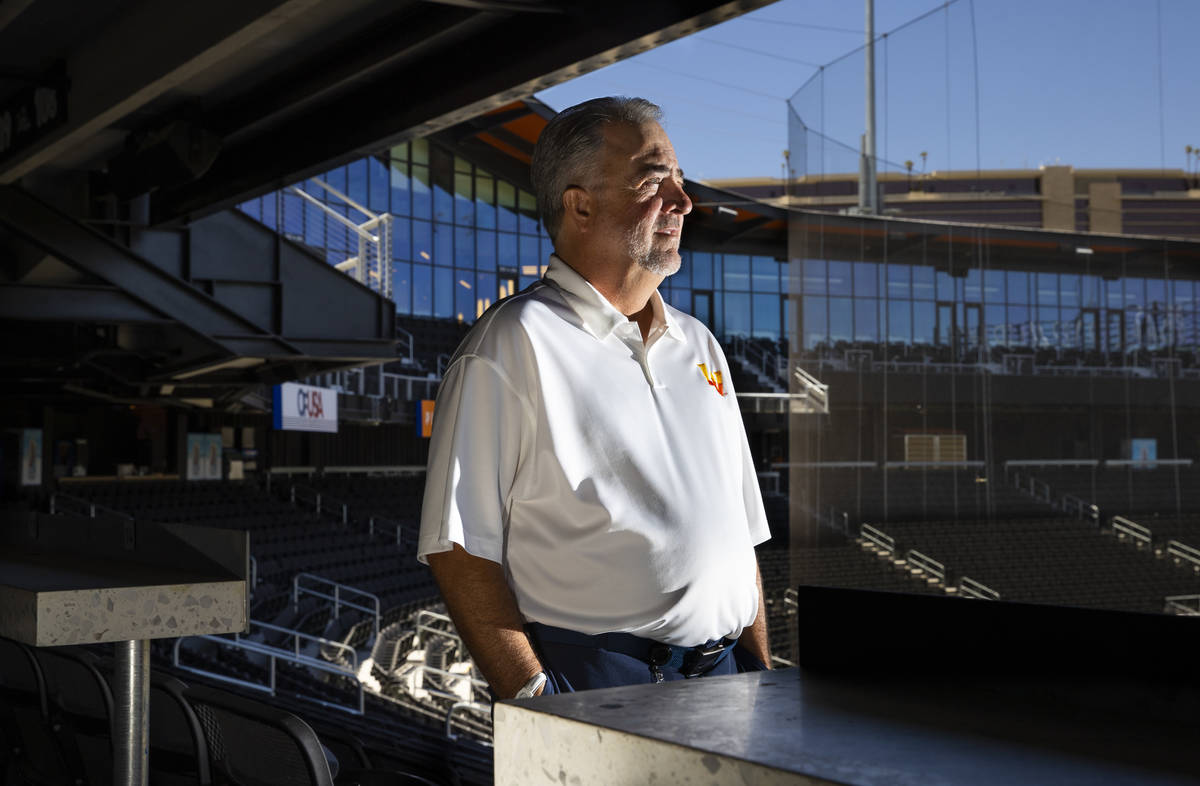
1052	463
423	625
880	538
381	522
815	388
1138	532
1147	462
932	464
297	636
1080	507
273	654
336	597
463	705
970	588
320	501
1183	551
1182	605
824	465
90	508
926	563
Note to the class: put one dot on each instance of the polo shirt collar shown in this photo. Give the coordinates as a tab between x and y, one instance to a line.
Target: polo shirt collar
600	316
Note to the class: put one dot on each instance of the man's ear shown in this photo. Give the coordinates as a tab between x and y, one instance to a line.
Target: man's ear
577	206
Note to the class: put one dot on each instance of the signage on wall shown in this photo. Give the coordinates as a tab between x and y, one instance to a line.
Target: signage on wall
31	457
32	113
305	408
1143	452
204	457
425	417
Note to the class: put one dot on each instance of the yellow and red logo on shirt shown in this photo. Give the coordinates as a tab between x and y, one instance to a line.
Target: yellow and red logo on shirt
714	378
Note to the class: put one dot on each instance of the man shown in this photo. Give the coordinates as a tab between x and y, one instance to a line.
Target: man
591	506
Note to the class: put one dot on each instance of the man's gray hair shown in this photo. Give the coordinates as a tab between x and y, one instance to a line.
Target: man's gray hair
568	150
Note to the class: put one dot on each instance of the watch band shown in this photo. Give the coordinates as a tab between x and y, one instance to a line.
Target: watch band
530	688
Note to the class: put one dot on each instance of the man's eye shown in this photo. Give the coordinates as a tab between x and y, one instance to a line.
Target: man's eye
654	181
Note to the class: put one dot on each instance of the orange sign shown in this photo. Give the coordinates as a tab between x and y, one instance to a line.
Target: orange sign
425	417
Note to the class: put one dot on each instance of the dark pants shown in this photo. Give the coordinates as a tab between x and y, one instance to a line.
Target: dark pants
573	667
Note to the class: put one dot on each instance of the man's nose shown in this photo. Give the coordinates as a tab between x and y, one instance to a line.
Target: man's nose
675	199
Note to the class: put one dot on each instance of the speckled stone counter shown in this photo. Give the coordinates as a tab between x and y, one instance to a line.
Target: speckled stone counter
796	727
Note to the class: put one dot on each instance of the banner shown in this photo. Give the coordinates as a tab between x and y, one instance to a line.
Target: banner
204	457
305	408
425	417
31	457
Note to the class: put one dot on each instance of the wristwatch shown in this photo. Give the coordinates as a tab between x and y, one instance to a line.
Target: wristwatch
531	688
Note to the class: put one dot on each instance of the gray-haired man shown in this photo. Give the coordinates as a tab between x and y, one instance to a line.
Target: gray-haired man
591	507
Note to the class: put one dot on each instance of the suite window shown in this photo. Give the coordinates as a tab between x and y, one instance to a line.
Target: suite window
866	276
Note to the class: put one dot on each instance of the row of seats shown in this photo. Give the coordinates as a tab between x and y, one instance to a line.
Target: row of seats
1128	490
56	727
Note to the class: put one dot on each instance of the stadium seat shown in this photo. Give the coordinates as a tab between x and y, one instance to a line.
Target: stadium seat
30	752
81	707
178	751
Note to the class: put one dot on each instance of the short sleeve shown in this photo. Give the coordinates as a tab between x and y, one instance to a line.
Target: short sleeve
479	423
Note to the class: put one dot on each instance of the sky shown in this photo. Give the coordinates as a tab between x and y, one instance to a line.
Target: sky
1058	81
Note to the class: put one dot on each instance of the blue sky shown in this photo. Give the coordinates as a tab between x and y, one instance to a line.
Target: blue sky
1067	81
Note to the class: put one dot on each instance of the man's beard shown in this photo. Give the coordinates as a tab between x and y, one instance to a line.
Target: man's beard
660	261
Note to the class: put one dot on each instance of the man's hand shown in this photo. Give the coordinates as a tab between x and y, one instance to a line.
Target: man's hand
485	613
754	638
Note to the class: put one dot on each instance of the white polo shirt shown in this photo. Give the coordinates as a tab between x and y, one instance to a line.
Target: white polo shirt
610	476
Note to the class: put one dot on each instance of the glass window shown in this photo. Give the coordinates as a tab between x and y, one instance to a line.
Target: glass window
506	206
866	279
973	286
441	166
335	178
400	152
922	282
422	192
946	286
314	225
252	208
464	200
766	316
1156	292
420	151
377	171
841	319
995	330
1089	289
485	292
485	202
401	193
422	290
816	331
993	286
485	251
814	279
701	269
1068	290
547	249
507	256
737	273
402	286
443	244
683	277
1047	326
464	247
527	210
899	321
1019	334
356	186
924	322
737	314
462	165
1047	289
422	239
402	239
1181	293
841	279
443	292
765	272
1018	286
1113	296
464	296
530	255
899	284
866	319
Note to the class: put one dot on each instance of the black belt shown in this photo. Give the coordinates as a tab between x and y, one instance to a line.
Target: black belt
688	661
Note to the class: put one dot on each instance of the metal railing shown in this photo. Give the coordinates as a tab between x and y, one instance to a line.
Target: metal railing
1182	605
1123	527
970	588
275	654
1182	552
320	502
923	563
373	238
67	504
339	590
879	538
382	524
1072	504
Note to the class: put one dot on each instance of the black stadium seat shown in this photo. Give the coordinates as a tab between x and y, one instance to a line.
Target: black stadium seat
81	708
31	752
178	751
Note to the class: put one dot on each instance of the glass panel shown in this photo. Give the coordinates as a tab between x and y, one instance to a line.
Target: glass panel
356	187
464	247
1047	289
464	200
401	192
766	316
1018	286
377	171
1047	327
422	239
314	225
443	244
702	307
442	168
840	279
924	322
1019	332
866	276
443	292
485	250
816	329
899	321
422	290
420	151
922	283
995	330
737	314
400	152
402	286
507	257
527	209
530	256
737	275
1068	290
485	292
993	286
1089	291
973	286
1156	292
899	281
464	296
422	192
765	271
462	165
701	269
402	239
485	202
866	319
814	280
1113	296
683	277
506	206
946	287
